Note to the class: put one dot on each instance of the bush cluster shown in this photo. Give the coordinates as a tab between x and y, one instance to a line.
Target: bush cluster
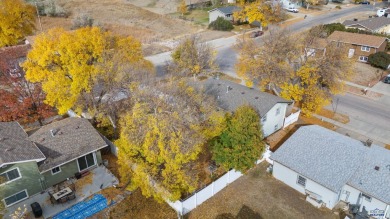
221	24
379	60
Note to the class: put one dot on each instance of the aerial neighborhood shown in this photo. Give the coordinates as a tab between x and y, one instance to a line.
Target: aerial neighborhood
215	109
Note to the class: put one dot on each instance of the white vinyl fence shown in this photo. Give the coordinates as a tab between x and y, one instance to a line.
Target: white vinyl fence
293	117
185	206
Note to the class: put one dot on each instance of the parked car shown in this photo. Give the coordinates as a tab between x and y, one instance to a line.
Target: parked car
256	34
387	79
291	9
364	2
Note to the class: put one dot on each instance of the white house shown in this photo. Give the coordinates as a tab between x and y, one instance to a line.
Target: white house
329	167
224	12
272	109
374	25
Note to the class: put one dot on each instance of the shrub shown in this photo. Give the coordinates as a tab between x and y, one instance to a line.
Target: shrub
82	20
221	24
330	28
338	7
379	60
52	9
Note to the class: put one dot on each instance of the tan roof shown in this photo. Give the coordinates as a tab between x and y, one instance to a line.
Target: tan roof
357	39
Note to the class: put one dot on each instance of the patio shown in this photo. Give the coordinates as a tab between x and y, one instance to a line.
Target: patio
98	179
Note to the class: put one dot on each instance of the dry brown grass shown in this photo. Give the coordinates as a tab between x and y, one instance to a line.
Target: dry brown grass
365	74
334	116
387	146
316	121
230	78
122	18
80	183
358	91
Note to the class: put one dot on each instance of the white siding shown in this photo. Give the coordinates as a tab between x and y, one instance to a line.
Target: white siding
290	177
213	15
273	119
354	199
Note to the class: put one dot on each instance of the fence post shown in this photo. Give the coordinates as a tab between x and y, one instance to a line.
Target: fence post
196	199
212	188
228	178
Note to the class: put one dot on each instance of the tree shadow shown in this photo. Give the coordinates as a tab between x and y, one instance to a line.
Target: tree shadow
244	213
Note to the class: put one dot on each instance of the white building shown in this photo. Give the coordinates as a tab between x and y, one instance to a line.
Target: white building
224	12
272	109
329	167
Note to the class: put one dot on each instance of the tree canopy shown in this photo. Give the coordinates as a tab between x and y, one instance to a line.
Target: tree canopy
241	144
259	10
17	20
87	69
162	136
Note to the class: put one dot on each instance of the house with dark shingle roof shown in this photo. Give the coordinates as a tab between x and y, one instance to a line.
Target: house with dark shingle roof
359	46
329	167
229	96
374	25
51	155
224	12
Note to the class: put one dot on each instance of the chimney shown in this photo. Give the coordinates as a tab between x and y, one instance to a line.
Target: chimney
227	89
53	132
376	168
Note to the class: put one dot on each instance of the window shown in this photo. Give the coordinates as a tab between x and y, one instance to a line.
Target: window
9	176
16	198
264	118
365	48
363	58
277	111
55	170
366	197
301	181
86	162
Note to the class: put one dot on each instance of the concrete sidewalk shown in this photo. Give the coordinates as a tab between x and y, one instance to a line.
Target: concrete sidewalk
368	88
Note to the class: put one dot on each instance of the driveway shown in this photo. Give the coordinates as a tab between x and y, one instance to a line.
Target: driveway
385	89
257	195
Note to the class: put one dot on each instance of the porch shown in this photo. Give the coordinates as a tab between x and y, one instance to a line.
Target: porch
64	195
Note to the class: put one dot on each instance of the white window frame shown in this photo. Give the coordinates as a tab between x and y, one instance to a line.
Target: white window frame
367	197
365	48
20	176
364	58
304	184
54	173
277	111
94	160
24	190
264	118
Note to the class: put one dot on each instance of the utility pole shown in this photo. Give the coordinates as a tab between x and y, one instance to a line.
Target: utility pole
39	17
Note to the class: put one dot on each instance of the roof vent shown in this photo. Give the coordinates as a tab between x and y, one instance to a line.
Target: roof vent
256	98
228	88
376	168
219	84
8	149
53	132
368	142
243	92
42	139
77	127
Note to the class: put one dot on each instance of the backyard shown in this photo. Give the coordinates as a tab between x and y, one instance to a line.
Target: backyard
257	195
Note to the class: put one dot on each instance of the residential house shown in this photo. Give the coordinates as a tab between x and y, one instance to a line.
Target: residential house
329	167
51	155
360	45
224	12
373	25
11	58
272	109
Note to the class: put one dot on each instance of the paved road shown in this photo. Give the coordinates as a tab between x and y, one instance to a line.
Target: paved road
227	56
370	118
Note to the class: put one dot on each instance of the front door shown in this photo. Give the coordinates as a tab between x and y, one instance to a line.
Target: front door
351	52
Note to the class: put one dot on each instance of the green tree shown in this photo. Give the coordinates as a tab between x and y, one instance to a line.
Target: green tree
241	144
17	20
161	138
379	60
221	24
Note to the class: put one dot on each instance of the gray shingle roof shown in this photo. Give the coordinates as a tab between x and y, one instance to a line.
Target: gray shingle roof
14	145
321	155
239	95
373	182
73	137
333	160
371	23
227	10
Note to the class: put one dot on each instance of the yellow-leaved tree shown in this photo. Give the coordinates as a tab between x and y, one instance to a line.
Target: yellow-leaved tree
88	70
162	136
17	20
261	11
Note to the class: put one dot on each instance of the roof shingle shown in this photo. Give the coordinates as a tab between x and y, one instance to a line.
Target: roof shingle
372	24
357	39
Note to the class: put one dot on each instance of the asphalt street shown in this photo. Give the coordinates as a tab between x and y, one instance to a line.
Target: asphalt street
370	118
